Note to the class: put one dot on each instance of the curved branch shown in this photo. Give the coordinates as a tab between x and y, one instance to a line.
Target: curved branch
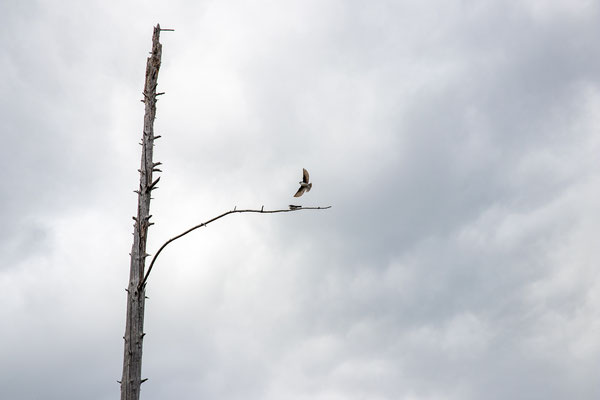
261	211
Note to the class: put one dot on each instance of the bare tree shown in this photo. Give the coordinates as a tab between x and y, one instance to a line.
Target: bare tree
134	326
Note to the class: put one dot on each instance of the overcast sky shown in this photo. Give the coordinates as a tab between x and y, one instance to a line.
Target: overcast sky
457	141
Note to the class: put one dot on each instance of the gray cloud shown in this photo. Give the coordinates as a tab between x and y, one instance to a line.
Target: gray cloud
455	141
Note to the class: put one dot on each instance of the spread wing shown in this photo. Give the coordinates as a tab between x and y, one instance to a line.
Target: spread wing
300	191
304	175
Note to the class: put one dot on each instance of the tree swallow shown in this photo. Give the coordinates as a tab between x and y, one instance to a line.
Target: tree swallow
304	185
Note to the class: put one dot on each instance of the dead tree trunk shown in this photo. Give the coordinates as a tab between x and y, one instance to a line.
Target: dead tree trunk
134	326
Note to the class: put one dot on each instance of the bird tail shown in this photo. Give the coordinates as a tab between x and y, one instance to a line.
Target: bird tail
308	187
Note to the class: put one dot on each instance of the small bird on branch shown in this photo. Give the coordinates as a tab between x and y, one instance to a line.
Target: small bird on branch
304	185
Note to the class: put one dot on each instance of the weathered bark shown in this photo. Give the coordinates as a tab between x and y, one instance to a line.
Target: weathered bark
134	326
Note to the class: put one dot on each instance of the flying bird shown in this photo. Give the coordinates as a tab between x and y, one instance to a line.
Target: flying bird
304	185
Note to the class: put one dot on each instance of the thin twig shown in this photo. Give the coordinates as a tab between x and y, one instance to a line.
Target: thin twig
262	211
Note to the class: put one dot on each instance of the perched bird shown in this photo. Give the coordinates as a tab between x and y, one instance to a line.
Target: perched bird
304	185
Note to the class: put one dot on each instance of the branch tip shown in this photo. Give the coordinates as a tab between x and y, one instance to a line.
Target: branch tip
153	184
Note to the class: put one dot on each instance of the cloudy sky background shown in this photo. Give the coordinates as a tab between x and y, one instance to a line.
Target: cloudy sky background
457	142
